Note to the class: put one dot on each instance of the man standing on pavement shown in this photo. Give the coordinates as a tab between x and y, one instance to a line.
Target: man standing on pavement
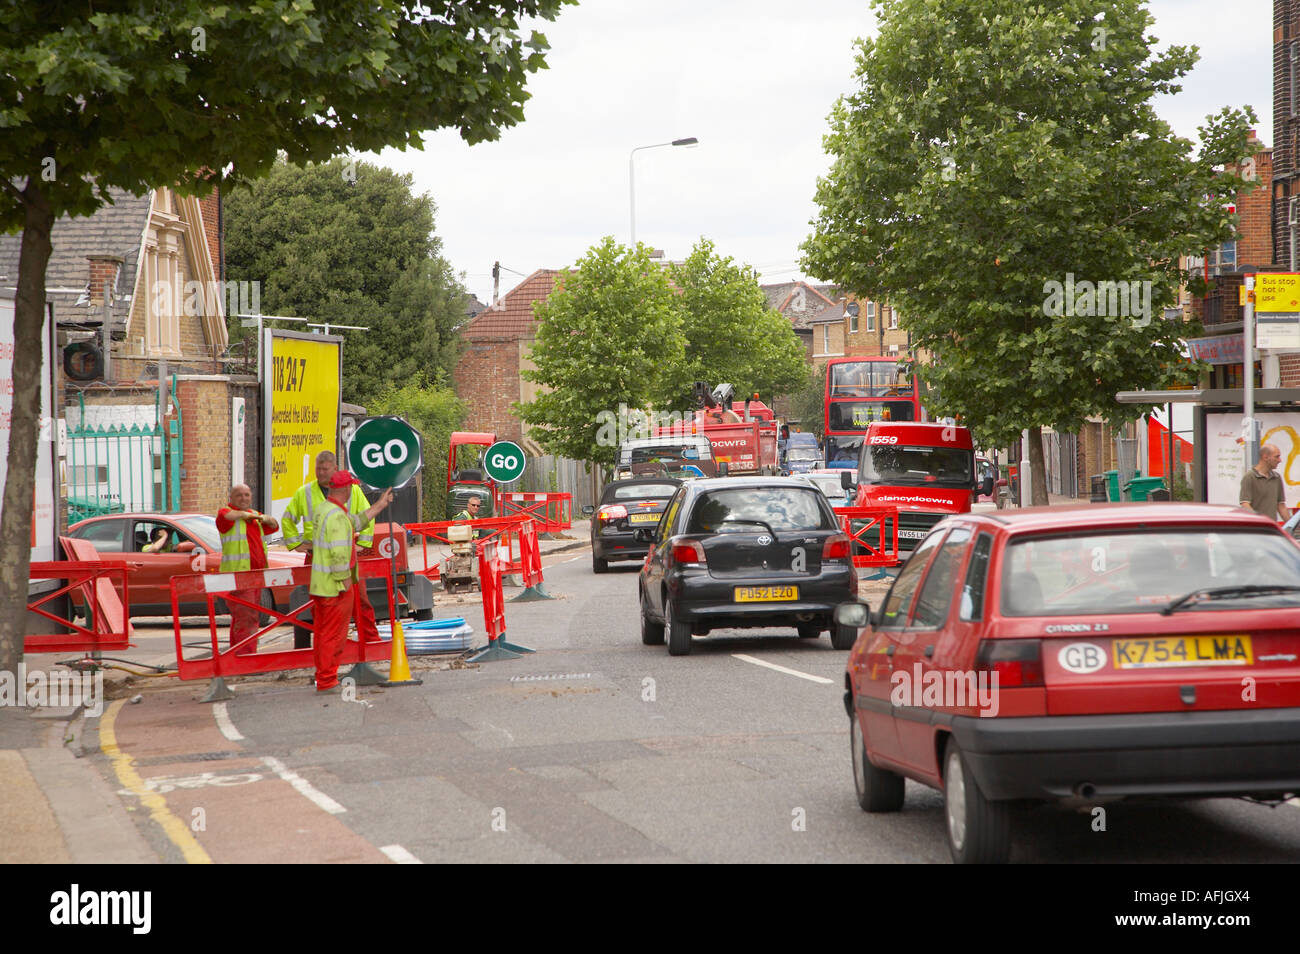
308	503
333	573
1261	488
242	548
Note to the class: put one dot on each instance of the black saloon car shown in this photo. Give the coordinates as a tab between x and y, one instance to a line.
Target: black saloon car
740	552
625	507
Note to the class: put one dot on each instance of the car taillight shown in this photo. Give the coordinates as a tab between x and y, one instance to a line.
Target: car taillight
836	547
612	512
691	551
1017	662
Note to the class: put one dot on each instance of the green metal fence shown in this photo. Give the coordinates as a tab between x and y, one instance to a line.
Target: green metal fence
122	468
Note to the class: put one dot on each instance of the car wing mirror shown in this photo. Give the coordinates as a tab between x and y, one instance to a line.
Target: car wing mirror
187	547
588	510
857	615
846	480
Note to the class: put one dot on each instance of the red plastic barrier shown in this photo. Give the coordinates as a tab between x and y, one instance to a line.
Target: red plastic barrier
873	521
530	554
109	618
494	601
552	512
233	662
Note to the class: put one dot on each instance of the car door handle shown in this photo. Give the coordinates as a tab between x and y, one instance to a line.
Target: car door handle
929	652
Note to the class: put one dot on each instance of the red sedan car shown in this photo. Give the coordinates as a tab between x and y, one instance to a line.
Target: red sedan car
1079	654
122	538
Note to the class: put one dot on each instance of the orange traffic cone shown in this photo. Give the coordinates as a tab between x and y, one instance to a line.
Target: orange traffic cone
399	671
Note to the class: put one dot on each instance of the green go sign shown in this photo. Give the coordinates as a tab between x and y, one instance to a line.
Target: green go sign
385	452
504	461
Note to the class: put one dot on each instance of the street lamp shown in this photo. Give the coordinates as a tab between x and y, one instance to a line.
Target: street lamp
631	176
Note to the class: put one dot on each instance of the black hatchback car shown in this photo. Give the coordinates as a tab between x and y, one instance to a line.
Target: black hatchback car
625	507
740	552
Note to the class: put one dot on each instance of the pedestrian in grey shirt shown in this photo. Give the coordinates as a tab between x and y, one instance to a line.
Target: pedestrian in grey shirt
1261	488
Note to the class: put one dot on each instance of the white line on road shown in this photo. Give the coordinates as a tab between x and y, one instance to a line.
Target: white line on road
789	672
224	724
400	855
304	787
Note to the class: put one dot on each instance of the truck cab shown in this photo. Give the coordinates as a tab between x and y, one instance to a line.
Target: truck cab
927	471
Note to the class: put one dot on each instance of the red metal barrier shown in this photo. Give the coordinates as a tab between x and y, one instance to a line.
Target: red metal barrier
108	616
872	521
232	662
499	530
552	512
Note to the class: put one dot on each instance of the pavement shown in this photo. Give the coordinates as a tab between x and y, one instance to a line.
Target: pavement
55	805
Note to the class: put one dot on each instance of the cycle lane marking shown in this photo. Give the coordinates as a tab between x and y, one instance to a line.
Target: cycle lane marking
124	767
400	855
303	787
222	715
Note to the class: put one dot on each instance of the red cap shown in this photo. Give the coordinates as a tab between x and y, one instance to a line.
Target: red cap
342	478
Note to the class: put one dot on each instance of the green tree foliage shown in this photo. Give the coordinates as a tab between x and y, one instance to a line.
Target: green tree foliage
434	412
347	243
808	403
134	95
603	338
622	331
993	148
731	333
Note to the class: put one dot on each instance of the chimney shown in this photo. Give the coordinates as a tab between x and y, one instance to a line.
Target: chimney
104	270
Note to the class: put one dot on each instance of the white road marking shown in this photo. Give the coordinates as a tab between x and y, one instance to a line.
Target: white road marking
224	724
789	672
575	559
400	855
304	787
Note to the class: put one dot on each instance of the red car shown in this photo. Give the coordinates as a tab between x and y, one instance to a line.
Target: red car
1079	654
122	537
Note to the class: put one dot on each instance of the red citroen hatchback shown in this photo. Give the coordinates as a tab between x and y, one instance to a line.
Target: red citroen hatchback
1084	654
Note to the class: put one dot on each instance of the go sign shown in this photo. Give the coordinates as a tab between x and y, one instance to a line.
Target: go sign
385	452
504	461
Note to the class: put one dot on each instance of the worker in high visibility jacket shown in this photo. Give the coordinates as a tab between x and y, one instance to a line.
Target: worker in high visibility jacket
334	573
243	548
307	503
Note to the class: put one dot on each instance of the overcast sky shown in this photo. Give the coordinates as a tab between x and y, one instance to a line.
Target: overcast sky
754	80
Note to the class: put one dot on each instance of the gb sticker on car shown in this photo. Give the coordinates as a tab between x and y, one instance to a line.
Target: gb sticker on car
1082	658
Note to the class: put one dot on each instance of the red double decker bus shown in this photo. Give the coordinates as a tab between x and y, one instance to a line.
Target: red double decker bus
860	392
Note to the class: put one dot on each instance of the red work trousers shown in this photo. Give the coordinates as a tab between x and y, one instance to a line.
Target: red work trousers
244	620
364	615
331	614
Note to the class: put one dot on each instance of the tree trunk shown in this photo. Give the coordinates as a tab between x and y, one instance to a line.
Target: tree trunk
20	473
1037	470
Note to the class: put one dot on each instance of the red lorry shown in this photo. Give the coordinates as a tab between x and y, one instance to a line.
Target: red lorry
747	447
927	471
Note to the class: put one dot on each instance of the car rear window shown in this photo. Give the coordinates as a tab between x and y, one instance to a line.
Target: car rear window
781	508
642	492
1142	571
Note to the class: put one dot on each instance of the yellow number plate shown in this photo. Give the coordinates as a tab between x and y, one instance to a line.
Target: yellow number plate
1168	653
766	594
644	518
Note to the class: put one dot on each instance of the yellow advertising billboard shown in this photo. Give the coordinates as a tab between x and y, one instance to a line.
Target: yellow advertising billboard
301	390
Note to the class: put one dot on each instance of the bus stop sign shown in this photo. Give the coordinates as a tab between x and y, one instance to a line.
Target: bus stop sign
385	452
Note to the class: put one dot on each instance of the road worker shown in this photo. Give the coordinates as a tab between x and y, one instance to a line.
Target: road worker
307	502
334	571
243	548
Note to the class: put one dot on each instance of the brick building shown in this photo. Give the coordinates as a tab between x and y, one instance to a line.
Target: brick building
150	422
497	343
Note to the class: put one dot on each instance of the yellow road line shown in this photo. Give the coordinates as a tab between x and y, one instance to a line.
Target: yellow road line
124	766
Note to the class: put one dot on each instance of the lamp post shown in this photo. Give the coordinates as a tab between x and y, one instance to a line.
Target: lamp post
631	177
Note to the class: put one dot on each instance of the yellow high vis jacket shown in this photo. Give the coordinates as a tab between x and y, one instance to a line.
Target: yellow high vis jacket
307	504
